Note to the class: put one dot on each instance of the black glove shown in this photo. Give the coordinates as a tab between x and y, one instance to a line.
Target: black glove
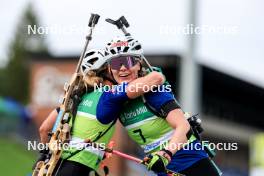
42	157
156	163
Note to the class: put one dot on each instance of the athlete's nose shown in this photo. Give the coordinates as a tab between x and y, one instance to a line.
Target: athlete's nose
123	68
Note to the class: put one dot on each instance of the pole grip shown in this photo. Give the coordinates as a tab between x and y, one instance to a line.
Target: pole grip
120	23
93	20
124	21
96	18
110	21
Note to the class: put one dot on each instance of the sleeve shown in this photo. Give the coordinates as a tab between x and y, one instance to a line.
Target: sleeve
161	95
161	98
110	104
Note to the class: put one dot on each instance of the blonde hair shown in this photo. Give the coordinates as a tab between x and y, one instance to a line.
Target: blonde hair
92	78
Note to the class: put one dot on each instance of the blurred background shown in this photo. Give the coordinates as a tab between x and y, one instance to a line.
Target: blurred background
210	51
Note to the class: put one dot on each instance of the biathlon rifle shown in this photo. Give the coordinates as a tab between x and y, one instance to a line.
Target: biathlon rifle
68	103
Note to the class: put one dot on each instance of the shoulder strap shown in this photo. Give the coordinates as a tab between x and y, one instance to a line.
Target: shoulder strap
76	101
96	139
164	109
103	133
151	108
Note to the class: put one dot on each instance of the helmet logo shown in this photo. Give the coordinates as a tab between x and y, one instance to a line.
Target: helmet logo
119	44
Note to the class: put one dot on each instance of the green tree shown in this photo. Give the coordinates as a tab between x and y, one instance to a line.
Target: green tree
15	76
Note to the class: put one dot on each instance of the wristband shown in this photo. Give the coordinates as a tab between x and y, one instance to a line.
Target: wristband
168	152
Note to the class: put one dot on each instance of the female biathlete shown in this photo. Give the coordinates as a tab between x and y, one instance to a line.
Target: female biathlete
158	125
86	124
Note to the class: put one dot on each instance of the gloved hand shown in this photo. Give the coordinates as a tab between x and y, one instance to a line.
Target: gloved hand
42	157
157	162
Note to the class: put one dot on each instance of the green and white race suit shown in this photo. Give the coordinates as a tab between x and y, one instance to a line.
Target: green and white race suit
86	126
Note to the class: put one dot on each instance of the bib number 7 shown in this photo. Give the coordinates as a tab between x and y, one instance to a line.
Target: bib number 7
139	131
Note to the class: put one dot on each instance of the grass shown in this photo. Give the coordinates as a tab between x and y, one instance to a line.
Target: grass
15	160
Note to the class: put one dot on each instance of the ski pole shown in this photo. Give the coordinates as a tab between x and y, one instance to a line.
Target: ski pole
110	150
137	160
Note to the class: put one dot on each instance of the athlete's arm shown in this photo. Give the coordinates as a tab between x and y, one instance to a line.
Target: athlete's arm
47	125
110	103
159	160
177	121
166	101
142	85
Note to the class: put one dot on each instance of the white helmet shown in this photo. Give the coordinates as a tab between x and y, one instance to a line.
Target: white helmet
93	60
125	45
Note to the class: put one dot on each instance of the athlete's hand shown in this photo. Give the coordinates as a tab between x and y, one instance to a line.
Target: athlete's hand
157	162
42	157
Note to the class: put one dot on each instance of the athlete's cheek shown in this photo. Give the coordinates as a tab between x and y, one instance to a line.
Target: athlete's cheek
115	75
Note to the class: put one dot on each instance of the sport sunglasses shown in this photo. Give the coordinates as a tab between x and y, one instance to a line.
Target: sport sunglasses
128	61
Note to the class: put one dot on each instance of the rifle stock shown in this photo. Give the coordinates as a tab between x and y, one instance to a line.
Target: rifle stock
61	129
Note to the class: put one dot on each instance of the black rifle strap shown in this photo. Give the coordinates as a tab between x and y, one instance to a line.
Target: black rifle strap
102	134
76	101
